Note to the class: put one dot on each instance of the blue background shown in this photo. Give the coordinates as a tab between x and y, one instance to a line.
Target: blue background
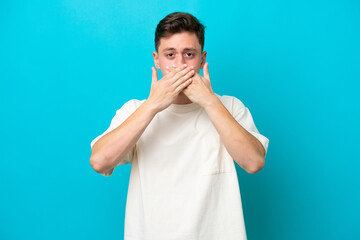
67	66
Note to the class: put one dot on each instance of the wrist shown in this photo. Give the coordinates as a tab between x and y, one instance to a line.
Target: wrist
150	107
212	101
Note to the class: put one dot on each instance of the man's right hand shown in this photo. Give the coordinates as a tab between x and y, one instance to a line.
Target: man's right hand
166	90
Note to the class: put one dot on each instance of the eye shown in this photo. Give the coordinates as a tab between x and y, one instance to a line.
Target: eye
189	54
169	54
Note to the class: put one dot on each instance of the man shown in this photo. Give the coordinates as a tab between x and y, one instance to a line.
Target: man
182	142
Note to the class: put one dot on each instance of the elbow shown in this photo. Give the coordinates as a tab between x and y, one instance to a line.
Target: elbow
97	164
257	166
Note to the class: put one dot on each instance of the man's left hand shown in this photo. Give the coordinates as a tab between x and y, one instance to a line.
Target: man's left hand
200	91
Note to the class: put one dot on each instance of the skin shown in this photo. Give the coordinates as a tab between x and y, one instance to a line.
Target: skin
176	50
181	84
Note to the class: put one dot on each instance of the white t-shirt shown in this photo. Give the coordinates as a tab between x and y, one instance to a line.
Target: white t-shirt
183	183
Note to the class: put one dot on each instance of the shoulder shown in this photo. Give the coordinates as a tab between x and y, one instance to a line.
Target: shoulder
130	106
133	104
230	102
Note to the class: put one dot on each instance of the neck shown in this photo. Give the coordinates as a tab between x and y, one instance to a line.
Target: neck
182	99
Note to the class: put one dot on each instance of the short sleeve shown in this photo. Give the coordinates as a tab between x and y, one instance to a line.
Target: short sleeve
243	116
120	116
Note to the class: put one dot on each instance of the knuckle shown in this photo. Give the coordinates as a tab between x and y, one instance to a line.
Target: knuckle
184	71
179	74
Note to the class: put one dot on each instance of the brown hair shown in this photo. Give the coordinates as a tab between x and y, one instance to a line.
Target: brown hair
178	22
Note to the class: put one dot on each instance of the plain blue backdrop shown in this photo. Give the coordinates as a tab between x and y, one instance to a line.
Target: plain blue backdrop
67	66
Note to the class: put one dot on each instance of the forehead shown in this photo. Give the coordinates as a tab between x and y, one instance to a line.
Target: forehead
180	41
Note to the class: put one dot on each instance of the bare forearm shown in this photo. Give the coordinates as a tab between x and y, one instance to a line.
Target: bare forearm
244	148
110	149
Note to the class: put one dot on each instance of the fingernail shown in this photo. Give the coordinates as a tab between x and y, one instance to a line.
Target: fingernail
185	65
173	65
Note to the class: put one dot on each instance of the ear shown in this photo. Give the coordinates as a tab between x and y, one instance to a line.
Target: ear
156	60
203	59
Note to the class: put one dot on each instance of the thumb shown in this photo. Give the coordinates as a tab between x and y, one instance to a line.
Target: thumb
206	71
154	75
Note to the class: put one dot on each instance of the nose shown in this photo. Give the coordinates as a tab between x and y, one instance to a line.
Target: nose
179	60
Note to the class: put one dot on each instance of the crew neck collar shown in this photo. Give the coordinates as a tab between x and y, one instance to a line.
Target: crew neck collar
183	108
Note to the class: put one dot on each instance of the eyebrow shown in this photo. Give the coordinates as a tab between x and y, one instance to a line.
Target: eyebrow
185	49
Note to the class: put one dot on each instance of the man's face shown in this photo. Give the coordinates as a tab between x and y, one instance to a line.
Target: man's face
178	49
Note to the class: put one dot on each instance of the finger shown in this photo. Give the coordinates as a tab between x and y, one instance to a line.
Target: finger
177	68
206	71
173	67
197	76
172	70
183	85
154	75
180	74
184	78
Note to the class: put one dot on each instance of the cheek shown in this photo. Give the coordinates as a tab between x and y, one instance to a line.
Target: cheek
166	70
196	67
163	66
195	64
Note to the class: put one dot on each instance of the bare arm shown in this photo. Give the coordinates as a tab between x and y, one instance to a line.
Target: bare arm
245	149
111	148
